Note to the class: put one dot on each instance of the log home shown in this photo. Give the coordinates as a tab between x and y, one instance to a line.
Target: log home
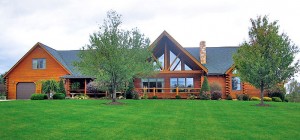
181	72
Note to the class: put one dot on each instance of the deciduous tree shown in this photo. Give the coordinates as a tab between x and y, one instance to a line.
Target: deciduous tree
267	58
115	56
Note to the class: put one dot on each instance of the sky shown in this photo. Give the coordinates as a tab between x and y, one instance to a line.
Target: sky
67	24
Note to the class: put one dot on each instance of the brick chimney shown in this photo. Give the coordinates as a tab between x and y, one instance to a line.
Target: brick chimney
202	52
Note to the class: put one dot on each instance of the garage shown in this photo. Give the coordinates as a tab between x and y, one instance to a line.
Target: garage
24	90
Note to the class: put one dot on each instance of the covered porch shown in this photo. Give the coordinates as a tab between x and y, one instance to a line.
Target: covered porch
75	85
168	93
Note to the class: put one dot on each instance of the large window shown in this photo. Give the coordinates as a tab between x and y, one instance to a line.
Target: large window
39	63
153	83
161	60
236	83
181	83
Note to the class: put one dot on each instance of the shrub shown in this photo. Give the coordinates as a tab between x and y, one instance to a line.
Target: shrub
75	86
255	99
215	87
154	97
61	87
276	99
204	96
129	91
205	86
136	95
286	100
279	94
50	86
277	91
45	96
177	97
243	97
145	96
216	95
59	96
267	99
191	97
81	96
228	97
246	97
37	96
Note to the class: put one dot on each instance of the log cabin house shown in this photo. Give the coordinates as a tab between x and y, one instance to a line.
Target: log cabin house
181	72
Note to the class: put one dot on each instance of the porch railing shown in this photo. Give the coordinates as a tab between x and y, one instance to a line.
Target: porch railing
177	90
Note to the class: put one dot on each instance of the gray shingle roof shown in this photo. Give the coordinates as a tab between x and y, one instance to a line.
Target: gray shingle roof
65	58
218	59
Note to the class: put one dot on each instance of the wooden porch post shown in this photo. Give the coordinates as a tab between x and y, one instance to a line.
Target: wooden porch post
84	86
154	91
176	90
67	86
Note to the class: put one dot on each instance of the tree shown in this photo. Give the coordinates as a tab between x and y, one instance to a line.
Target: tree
115	56
205	86
49	86
2	81
294	91
204	92
266	59
61	87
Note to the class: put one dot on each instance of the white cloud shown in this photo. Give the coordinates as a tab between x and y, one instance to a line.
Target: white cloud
67	24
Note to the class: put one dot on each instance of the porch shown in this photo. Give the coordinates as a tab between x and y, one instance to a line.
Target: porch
168	93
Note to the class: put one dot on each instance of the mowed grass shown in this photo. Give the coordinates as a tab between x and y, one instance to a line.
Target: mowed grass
148	119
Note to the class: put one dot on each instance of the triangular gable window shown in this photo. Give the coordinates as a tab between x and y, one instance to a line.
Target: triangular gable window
186	67
161	60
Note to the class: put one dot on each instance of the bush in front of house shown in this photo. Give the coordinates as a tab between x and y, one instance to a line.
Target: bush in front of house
228	97
191	97
38	96
277	91
204	96
81	96
243	97
216	95
255	98
267	99
136	95
154	97
59	96
278	94
276	99
177	97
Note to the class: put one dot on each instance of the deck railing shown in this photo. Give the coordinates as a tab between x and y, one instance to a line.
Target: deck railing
177	90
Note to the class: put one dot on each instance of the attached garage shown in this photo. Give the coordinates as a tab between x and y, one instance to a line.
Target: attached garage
24	90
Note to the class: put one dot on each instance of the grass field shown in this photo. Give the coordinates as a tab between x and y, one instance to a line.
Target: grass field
148	119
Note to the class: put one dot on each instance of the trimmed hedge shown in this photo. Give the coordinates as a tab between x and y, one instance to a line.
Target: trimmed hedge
59	96
276	99
267	99
38	96
255	99
154	97
178	97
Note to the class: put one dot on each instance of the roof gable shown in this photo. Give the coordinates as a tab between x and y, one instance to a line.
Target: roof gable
45	48
164	35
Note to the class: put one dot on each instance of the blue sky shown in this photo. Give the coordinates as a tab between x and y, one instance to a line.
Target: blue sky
66	25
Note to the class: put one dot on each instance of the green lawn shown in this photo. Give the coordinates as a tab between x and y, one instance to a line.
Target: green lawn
148	119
